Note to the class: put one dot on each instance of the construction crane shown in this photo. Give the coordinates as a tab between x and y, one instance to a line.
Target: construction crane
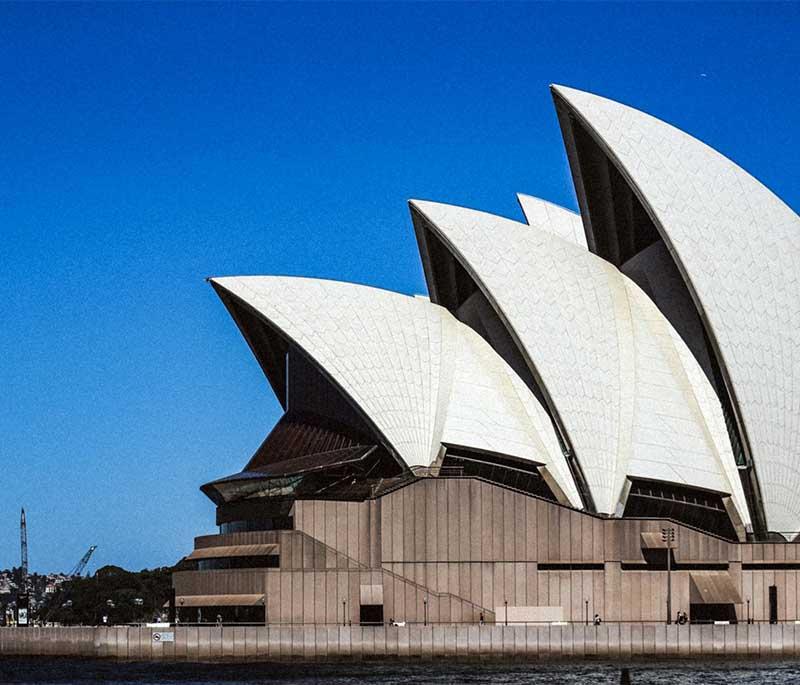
81	565
23	543
23	600
61	596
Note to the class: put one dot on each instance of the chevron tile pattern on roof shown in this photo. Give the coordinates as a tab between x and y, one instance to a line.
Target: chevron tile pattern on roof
604	352
739	248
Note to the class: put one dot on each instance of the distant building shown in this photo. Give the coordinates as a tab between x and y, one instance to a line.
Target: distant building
577	390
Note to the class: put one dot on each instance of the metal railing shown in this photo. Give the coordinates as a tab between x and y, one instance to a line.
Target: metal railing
401	624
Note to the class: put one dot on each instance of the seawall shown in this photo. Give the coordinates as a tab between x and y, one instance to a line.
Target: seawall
617	641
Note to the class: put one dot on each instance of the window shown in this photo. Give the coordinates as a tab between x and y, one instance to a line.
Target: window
226	563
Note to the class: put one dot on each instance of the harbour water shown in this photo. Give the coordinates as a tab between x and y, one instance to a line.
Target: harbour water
43	671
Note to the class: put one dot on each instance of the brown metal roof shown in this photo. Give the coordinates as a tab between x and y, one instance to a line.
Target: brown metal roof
297	436
712	587
233	551
218	600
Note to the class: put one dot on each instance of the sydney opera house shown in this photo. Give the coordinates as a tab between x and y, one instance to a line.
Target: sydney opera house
581	402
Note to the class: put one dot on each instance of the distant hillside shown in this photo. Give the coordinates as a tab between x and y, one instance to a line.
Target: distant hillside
39	587
121	596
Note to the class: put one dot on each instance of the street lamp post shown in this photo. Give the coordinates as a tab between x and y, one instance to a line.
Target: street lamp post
344	612
425	610
748	611
586	601
668	536
505	601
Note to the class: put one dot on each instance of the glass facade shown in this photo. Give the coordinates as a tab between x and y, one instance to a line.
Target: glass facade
697	508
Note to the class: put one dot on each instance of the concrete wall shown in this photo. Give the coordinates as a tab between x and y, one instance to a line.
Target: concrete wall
468	547
484	544
612	641
324	596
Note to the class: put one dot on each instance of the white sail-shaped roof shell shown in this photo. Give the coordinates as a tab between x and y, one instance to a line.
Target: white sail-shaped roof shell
421	377
545	216
737	247
629	396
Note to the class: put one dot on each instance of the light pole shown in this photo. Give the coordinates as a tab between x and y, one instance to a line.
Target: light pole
425	610
586	601
344	612
748	611
668	536
505	601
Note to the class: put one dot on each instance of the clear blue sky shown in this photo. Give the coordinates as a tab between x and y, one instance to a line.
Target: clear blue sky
145	147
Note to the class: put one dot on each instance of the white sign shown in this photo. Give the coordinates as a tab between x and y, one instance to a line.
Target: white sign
163	637
22	616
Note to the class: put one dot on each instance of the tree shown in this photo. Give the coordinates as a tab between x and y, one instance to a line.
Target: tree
111	592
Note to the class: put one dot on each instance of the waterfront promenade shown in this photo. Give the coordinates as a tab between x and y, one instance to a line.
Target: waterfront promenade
613	641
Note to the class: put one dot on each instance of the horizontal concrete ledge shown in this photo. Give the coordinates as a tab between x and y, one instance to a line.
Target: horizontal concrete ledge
617	641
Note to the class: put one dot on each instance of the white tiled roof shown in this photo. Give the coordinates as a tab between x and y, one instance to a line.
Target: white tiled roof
419	375
606	356
738	247
556	220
